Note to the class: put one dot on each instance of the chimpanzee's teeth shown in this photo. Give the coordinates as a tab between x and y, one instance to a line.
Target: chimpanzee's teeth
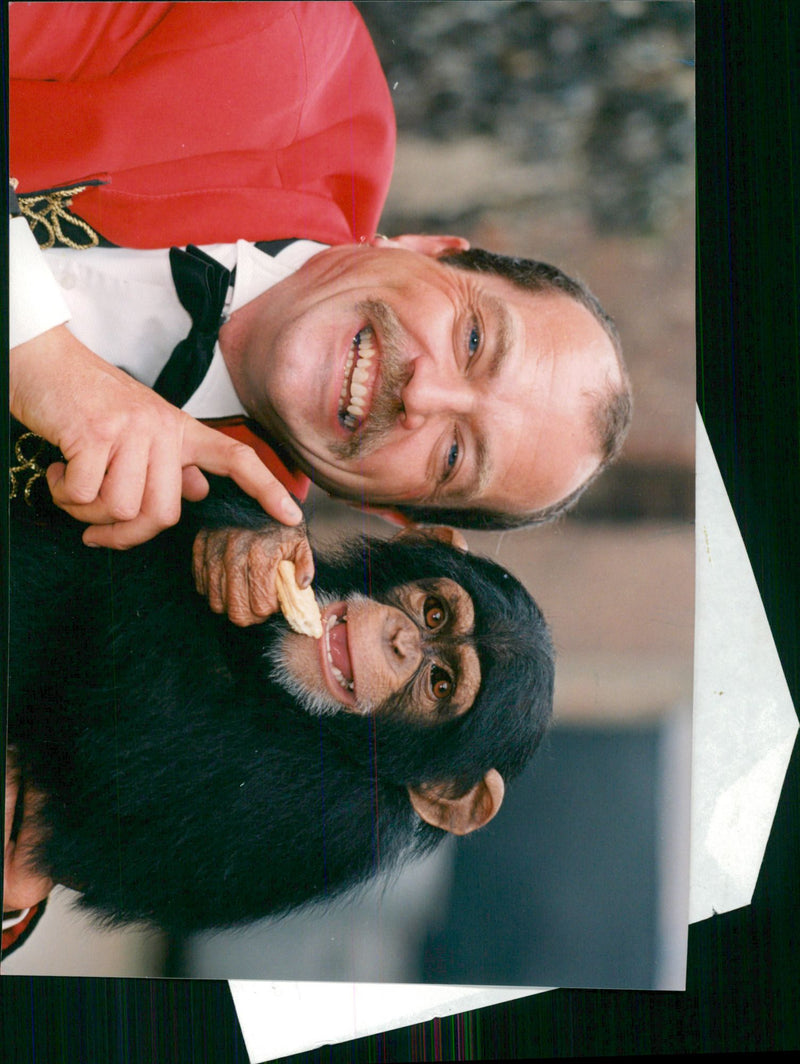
330	624
346	684
362	351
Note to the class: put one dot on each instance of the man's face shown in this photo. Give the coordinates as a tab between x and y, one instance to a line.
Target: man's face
395	378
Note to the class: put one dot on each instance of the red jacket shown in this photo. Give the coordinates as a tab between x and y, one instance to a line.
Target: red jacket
208	122
211	122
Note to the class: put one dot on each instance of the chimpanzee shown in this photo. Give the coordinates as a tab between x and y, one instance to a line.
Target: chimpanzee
198	775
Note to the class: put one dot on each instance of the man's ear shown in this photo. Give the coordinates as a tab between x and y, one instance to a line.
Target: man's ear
429	244
461	815
433	533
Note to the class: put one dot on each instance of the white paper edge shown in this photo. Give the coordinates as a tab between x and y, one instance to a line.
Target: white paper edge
281	1018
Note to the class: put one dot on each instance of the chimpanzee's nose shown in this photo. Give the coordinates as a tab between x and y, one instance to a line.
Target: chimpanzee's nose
403	642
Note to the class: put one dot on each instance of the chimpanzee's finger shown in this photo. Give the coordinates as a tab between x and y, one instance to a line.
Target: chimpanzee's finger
199	548
303	560
216	584
262	596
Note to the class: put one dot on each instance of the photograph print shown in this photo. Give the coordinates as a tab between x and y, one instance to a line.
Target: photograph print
435	265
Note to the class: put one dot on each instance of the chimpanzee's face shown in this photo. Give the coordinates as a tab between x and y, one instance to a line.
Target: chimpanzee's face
410	655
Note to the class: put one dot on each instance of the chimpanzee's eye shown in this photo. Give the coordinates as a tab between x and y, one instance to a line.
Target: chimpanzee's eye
433	611
441	683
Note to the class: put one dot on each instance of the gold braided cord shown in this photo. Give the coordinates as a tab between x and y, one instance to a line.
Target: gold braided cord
27	464
48	210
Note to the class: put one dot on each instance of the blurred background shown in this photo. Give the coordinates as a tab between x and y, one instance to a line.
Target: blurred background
561	130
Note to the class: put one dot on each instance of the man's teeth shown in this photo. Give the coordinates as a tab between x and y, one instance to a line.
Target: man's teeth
362	351
333	620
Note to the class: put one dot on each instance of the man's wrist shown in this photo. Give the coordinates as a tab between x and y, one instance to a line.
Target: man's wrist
36	302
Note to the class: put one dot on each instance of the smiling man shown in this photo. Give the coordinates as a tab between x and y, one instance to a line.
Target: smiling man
410	373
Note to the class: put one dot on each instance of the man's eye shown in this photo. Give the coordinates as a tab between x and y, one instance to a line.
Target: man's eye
452	456
441	683
474	339
433	611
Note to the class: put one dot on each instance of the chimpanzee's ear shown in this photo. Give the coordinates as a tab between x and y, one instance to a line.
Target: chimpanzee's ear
23	886
461	815
443	533
437	533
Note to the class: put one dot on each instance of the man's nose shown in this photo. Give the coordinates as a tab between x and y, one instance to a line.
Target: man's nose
431	391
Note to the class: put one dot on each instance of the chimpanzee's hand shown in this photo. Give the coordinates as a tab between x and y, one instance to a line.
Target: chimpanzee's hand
235	568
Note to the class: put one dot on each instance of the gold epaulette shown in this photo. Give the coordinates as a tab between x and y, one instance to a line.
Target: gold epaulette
27	464
48	215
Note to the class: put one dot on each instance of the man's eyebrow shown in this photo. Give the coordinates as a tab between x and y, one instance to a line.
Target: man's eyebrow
473	484
503	333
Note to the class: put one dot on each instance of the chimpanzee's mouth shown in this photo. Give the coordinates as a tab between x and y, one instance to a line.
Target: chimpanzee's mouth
359	379
336	649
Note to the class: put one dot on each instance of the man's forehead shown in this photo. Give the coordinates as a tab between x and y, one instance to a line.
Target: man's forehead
530	325
561	364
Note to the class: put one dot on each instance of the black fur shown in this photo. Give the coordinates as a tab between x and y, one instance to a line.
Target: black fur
185	789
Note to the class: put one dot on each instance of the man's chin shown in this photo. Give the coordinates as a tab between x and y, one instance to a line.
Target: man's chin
336	481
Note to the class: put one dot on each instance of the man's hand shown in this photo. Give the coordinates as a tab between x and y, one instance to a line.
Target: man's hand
130	455
235	569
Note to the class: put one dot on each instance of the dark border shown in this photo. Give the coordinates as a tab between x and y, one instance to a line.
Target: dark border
743	985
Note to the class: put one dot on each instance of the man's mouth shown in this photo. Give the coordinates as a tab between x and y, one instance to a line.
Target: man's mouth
337	666
360	372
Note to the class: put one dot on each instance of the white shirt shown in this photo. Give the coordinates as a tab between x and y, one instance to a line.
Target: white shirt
122	304
35	300
12	919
